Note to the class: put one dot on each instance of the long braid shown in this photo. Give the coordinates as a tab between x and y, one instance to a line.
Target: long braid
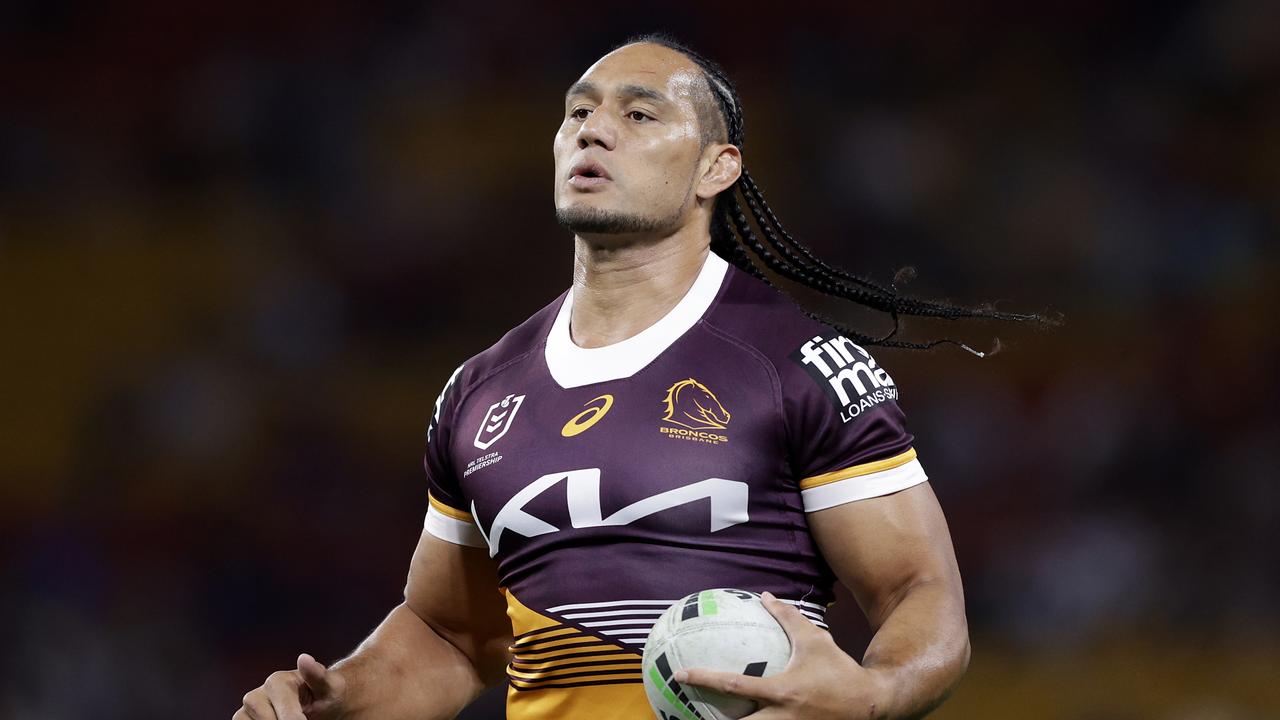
750	190
779	252
731	109
772	261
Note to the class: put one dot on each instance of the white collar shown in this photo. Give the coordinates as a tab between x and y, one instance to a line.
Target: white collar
572	366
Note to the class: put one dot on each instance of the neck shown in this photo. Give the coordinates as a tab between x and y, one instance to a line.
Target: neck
620	289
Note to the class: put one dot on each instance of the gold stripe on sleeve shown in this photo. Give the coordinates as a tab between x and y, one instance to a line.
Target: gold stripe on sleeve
448	511
856	470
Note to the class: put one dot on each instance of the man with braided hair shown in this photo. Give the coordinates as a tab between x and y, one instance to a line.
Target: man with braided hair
670	423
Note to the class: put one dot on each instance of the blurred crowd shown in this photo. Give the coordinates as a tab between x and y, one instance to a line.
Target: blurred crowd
243	245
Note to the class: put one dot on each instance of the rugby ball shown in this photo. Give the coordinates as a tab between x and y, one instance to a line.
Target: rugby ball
721	629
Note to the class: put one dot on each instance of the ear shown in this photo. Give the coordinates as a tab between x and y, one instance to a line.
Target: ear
723	165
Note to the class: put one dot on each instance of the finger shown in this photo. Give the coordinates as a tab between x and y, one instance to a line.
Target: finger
257	707
772	712
240	714
747	686
798	628
315	675
282	692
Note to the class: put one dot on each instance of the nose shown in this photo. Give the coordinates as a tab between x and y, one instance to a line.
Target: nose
597	130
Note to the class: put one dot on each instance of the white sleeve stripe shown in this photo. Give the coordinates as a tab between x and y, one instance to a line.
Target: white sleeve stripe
862	487
458	532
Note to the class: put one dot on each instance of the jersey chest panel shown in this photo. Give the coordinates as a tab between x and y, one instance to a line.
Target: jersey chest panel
687	452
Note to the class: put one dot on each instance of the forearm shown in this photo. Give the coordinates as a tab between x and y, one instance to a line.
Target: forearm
405	670
921	649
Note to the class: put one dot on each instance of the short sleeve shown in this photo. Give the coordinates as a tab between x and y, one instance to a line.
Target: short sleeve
847	437
448	517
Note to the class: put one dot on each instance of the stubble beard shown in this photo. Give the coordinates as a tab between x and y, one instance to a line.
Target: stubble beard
587	220
594	221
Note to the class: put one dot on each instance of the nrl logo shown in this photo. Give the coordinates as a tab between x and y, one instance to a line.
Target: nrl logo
498	420
692	405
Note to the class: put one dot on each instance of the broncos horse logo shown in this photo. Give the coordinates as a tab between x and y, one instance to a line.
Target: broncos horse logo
690	404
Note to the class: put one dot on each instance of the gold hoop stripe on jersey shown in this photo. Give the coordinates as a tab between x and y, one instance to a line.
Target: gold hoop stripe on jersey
536	636
595	670
873	479
588	659
550	647
547	654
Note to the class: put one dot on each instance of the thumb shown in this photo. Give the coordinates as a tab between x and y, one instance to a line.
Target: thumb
316	676
797	627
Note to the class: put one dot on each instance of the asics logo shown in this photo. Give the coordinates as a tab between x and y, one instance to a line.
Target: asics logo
583	421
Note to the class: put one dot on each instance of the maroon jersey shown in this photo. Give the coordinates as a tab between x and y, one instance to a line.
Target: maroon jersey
610	482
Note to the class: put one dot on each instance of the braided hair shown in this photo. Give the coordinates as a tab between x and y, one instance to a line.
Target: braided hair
732	234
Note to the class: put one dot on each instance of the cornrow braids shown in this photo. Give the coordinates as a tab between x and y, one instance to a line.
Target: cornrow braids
732	236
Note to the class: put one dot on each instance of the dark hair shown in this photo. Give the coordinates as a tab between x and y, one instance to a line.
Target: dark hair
732	234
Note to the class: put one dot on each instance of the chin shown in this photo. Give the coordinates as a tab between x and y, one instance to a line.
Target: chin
592	219
589	205
598	207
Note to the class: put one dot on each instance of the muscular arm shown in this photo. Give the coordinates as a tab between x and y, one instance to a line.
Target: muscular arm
440	648
894	553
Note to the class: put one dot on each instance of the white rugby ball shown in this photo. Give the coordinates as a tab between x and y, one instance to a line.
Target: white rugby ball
720	629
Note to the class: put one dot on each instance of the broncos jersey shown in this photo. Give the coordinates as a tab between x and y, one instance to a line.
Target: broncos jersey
609	482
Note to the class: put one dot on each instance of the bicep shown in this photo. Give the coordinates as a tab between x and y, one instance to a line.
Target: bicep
454	589
882	546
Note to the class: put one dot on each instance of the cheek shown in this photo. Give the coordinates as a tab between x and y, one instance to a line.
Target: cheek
671	171
675	156
563	145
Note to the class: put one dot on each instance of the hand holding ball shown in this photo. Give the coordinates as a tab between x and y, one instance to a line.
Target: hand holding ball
721	629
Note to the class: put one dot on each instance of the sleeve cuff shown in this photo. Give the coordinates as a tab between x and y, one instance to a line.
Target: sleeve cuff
860	482
452	525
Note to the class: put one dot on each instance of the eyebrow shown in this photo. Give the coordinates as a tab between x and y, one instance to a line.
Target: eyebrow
586	87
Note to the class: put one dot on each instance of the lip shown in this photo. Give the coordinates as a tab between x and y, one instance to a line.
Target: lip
588	174
583	182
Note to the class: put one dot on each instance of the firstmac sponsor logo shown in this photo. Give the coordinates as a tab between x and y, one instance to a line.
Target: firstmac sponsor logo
847	373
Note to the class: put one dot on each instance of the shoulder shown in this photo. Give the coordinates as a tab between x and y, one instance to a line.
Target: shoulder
771	323
810	357
517	344
846	435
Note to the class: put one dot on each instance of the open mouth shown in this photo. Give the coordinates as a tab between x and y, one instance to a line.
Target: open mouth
588	174
581	182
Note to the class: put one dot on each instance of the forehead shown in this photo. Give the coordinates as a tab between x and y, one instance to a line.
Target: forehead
647	64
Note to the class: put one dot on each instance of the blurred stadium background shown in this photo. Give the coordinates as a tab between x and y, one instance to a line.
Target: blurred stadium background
243	244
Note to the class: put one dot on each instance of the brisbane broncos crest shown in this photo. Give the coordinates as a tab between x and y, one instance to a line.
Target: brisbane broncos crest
696	411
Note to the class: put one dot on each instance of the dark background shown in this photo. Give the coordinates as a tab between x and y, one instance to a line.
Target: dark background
243	244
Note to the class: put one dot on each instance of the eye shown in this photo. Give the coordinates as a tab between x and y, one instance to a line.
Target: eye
638	116
580	113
